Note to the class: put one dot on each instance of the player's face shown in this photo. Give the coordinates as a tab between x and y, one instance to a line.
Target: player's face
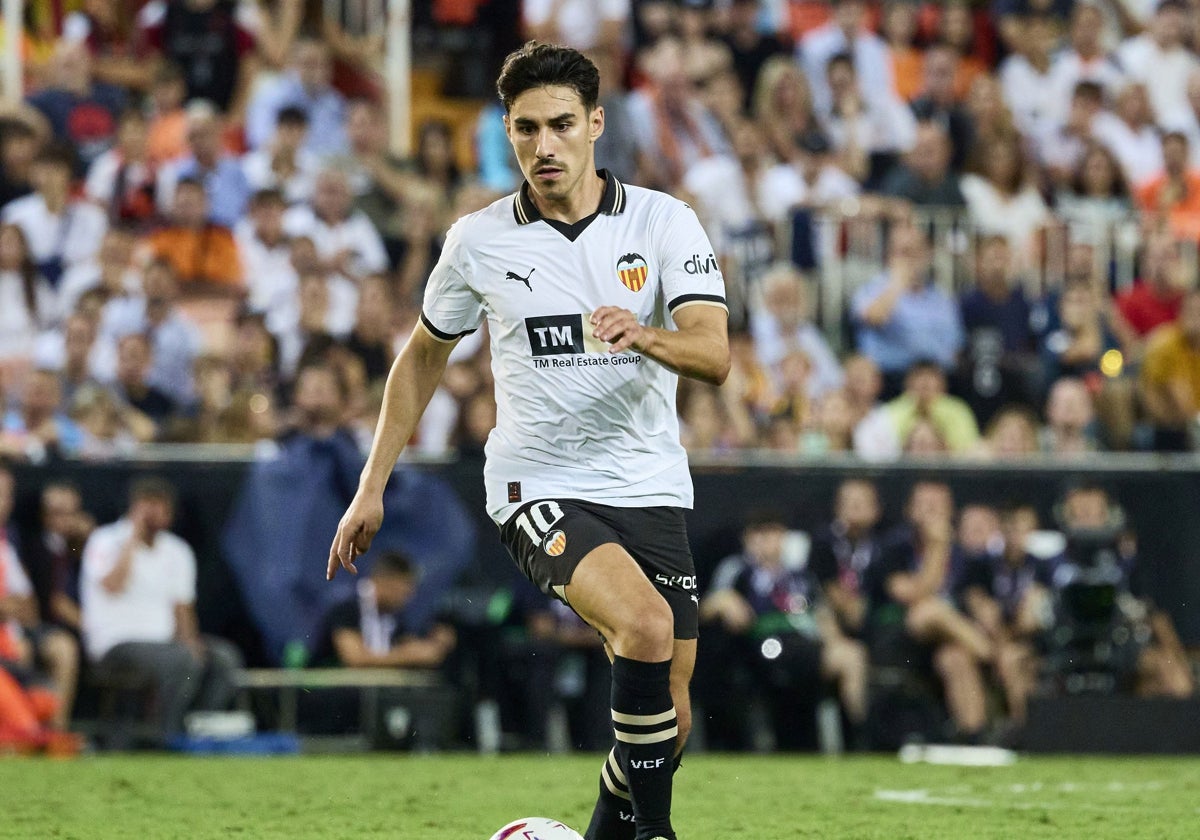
553	136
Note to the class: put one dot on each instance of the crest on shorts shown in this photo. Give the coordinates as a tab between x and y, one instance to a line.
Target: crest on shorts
555	543
632	270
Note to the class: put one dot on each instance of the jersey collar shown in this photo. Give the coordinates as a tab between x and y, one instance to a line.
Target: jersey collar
612	203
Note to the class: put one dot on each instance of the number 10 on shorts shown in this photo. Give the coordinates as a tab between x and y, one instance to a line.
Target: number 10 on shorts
539	519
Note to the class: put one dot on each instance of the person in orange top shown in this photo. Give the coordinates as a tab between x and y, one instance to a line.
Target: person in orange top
908	62
204	255
1174	192
167	138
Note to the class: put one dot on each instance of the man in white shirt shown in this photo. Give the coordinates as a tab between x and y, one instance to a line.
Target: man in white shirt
347	243
1129	132
1159	59
582	24
781	324
138	592
847	32
267	257
62	232
1086	59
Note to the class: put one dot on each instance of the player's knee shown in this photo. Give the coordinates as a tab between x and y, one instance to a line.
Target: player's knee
649	632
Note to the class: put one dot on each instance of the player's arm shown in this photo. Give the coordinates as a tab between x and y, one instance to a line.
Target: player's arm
410	384
698	349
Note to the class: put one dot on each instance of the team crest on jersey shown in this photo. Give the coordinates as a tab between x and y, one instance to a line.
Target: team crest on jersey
555	543
632	270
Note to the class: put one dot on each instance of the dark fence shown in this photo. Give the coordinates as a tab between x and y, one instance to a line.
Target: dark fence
1161	498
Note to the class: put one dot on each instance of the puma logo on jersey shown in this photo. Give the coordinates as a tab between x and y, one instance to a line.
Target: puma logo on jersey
512	275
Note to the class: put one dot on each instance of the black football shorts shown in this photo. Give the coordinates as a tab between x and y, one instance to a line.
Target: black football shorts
548	538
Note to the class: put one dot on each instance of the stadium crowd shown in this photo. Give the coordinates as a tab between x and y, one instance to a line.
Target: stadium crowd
204	238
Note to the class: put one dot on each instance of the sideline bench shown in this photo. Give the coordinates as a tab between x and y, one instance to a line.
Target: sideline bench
427	694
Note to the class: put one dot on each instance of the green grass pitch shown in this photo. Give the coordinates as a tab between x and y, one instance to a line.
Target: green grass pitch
464	797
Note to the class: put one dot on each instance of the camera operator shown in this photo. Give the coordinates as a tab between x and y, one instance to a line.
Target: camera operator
1104	623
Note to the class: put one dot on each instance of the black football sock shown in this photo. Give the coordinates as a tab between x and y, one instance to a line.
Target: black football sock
645	726
612	818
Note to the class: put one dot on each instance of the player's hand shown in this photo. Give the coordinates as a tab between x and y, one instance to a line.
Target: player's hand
619	327
354	533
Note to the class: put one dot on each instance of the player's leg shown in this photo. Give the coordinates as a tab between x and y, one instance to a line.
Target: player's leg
683	663
611	592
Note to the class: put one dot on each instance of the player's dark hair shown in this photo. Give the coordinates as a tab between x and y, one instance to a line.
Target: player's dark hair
395	563
152	487
540	65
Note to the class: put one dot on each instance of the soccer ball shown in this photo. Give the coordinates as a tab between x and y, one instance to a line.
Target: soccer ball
535	828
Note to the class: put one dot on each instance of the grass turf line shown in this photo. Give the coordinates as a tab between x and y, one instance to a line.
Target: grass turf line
464	797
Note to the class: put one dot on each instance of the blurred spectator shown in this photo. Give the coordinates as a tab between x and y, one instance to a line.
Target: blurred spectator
990	117
956	29
924	440
869	131
265	252
1085	59
847	33
829	427
318	404
78	359
345	239
1027	77
61	231
1096	201
110	428
81	111
138	587
679	130
377	178
175	338
103	28
1007	595
1159	59
1070	419
709	423
1012	434
54	552
924	177
1002	200
1170	378
25	641
219	173
370	630
1078	346
704	56
925	398
902	315
782	105
898	27
1155	298
167	136
306	86
999	364
254	355
909	598
583	25
940	101
434	160
617	148
812	179
1189	121
844	550
122	179
762	595
750	47
1174	193
27	303
134	362
782	323
1129	132
203	252
371	340
207	40
40	428
284	162
1062	148
18	147
312	324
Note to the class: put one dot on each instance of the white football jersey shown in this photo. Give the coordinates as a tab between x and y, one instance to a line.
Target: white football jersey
573	420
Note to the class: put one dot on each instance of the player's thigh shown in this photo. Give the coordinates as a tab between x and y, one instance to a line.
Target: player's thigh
612	593
571	552
657	539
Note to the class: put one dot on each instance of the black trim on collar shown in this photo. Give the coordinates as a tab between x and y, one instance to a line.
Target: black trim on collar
612	203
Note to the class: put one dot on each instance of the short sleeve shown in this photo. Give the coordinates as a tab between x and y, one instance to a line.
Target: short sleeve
184	582
451	308
688	265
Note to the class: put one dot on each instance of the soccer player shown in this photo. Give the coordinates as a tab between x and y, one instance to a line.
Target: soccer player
597	296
